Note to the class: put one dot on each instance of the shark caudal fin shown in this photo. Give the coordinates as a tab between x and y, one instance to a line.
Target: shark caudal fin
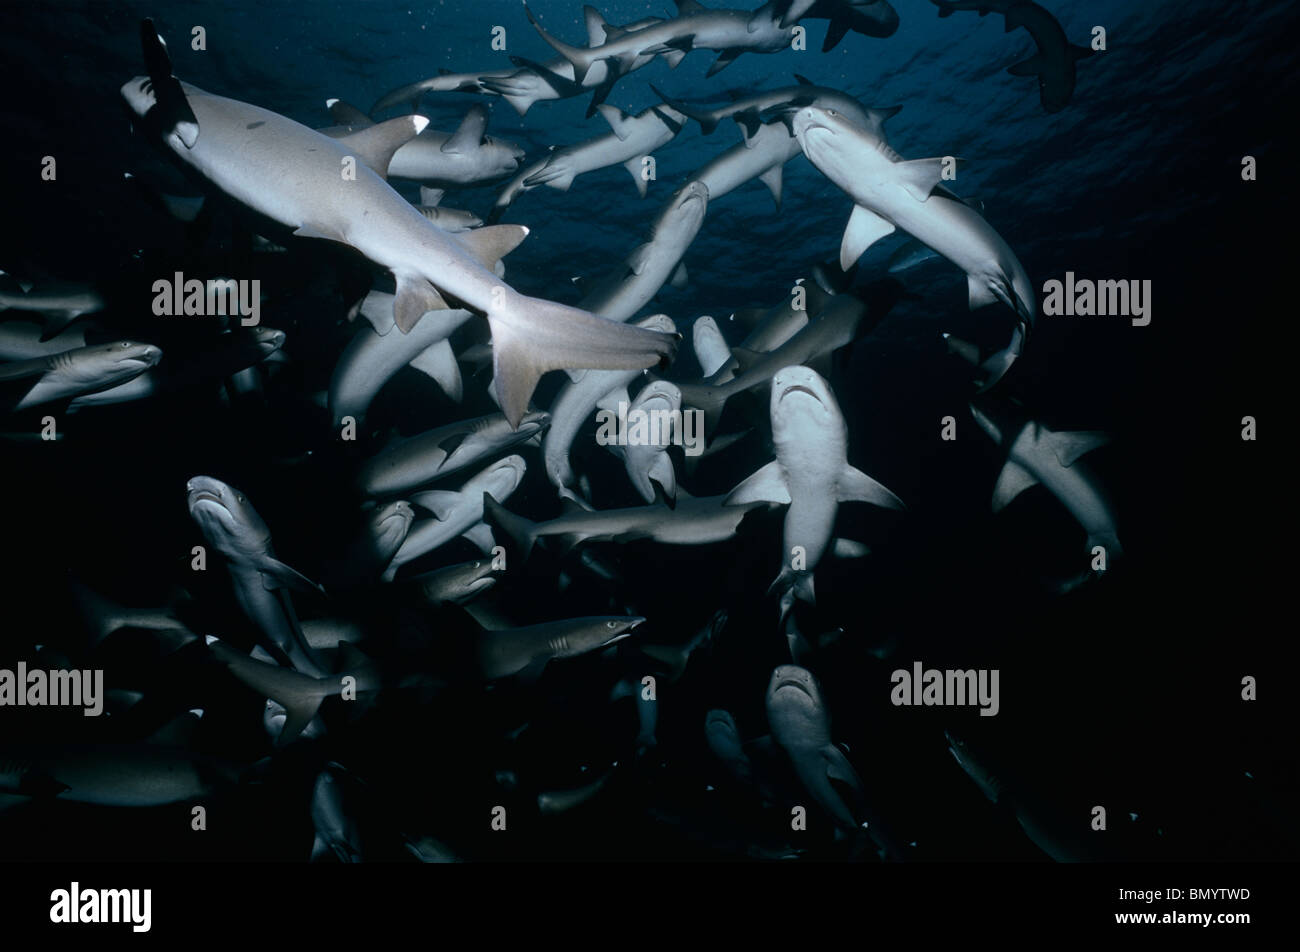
531	336
707	120
793	584
522	532
580	58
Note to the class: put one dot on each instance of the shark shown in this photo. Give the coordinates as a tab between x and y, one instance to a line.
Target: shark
1054	62
632	138
728	32
335	194
811	474
74	373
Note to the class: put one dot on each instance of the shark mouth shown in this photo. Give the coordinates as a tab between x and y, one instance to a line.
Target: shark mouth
800	388
792	683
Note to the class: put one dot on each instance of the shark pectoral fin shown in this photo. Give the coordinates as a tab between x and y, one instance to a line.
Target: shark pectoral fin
309	230
617	120
276	574
611	400
662	472
449	444
835	31
1012	481
298	714
864	229
346	114
749	120
440	502
532	672
481	536
679	276
1030	67
1068	447
491	243
839	769
765	485
849	549
375	145
439	362
673	57
431	196
772	178
415	298
725	59
469	134
920	176
639	258
635	166
856	486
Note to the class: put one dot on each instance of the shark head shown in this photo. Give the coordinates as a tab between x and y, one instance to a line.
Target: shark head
795	706
226	516
267	340
467	580
390	524
802	402
109	364
599	632
502	478
685	210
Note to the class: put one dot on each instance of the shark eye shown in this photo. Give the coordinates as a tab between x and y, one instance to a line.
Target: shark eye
239	497
831	112
611	625
476	565
125	345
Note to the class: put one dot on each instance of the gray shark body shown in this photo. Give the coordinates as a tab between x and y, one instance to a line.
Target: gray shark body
811	474
246	152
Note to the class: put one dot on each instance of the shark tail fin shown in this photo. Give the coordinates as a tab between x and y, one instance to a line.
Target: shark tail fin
578	57
708	122
564	338
793	584
522	531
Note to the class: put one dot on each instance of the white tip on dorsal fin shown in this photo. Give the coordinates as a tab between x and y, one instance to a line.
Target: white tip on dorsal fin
375	145
345	114
469	135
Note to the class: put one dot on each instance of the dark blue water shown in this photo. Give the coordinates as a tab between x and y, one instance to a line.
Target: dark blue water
1125	693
